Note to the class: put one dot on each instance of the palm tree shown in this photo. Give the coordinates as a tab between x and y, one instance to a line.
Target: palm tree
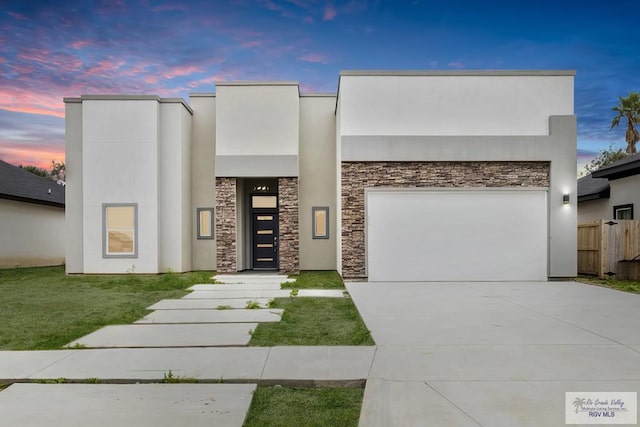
629	108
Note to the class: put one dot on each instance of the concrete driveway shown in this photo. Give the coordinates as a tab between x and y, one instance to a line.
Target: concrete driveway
494	354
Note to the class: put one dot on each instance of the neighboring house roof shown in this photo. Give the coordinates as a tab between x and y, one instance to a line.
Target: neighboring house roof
18	184
622	168
590	188
596	185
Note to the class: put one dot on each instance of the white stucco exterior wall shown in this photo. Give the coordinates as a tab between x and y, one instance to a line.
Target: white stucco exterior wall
174	175
453	104
625	191
594	210
317	180
470	116
272	109
32	235
74	217
203	188
120	158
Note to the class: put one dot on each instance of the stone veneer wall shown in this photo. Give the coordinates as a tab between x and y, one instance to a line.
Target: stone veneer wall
289	243
226	225
356	176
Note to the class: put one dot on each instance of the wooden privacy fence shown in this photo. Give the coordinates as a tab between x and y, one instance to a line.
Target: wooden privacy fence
603	244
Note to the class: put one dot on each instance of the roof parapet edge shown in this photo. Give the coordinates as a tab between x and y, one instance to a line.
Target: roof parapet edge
446	73
318	95
257	83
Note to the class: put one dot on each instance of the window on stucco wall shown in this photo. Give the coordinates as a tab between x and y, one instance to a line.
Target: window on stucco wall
120	230
205	223
320	222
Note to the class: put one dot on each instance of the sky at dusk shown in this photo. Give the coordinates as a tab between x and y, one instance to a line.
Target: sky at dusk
55	49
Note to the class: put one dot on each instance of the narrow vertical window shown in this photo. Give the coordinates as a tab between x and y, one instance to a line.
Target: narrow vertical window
321	223
205	223
120	232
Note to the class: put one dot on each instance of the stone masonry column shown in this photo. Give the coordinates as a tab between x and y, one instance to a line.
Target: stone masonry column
289	239
226	225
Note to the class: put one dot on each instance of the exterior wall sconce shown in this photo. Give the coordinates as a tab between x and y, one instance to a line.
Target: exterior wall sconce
565	199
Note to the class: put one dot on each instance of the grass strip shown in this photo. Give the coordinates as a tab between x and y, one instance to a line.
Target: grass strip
44	309
283	406
313	321
620	285
315	280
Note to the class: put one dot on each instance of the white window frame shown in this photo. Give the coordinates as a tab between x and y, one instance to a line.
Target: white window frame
622	208
105	231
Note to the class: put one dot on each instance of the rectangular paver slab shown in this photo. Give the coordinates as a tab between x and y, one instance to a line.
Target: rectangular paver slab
252	278
319	363
99	405
213	316
203	363
21	364
238	293
187	335
263	286
204	303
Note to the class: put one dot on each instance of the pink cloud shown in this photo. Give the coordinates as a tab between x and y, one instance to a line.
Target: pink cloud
317	58
181	71
79	44
329	12
105	67
39	155
26	101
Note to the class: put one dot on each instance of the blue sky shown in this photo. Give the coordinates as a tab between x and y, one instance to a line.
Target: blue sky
55	49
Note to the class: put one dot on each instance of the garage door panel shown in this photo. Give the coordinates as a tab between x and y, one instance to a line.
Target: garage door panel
456	235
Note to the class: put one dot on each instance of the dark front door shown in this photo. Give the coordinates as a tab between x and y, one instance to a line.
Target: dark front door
265	241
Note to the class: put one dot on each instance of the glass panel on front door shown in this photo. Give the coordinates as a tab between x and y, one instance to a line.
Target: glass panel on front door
265	241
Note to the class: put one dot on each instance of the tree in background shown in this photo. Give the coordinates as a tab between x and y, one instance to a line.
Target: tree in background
36	171
58	170
605	158
629	108
57	173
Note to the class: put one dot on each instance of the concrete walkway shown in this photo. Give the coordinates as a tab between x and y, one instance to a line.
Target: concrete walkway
201	336
448	354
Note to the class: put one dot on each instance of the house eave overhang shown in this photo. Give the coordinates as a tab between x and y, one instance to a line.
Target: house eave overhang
617	172
32	201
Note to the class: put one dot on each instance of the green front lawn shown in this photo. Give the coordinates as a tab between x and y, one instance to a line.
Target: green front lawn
313	321
621	285
42	308
315	280
283	406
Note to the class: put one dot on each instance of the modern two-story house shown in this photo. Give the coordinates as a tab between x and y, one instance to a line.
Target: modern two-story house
399	176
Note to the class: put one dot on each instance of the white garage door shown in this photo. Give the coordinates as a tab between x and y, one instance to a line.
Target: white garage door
456	235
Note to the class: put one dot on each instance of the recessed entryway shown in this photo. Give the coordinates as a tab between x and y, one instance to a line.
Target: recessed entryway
262	223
